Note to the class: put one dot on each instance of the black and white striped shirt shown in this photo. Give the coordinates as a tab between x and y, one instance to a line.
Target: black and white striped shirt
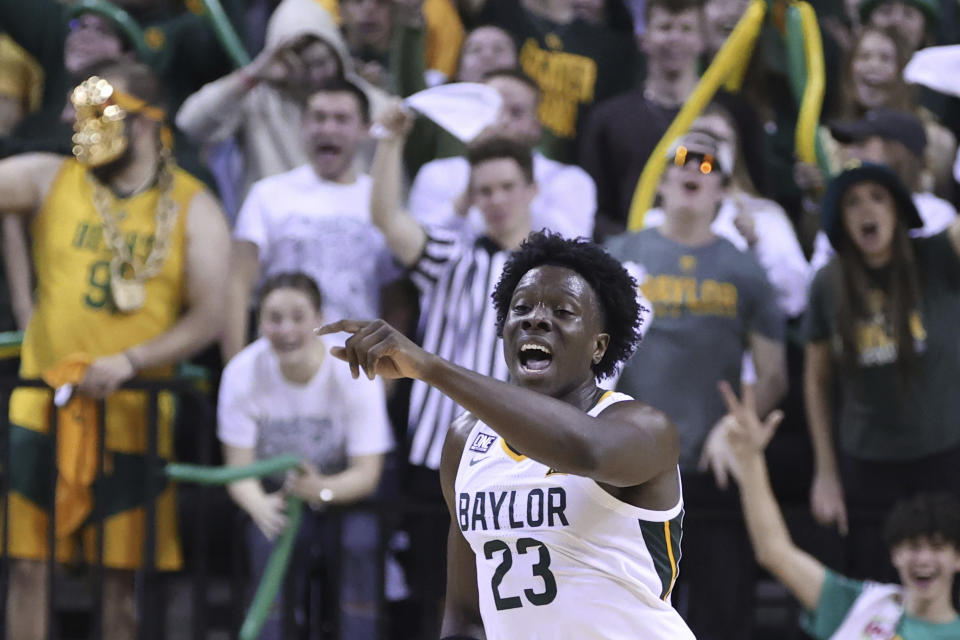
455	277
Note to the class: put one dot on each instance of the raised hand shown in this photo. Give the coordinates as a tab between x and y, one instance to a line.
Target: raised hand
378	349
271	65
745	222
396	120
716	455
747	435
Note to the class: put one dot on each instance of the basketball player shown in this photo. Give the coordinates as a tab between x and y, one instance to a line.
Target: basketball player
564	498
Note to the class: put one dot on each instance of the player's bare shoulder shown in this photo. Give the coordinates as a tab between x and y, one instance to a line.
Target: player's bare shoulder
461	427
640	414
453	447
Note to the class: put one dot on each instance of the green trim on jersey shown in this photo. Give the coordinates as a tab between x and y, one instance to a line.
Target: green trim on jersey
663	542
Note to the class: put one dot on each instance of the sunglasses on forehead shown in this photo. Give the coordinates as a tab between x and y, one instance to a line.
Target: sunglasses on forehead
705	161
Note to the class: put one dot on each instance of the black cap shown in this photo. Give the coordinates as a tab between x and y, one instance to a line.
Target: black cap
831	217
889	124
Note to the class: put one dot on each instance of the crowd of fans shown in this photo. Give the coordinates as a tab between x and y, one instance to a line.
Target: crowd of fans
341	202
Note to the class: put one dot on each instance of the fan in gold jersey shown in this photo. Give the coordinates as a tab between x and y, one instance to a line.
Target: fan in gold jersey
130	254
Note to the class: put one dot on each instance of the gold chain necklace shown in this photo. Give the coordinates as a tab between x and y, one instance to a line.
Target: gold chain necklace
129	293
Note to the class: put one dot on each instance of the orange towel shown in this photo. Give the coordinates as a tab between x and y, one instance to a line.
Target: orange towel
77	446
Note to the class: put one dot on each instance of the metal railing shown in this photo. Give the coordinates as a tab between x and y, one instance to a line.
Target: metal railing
196	528
150	600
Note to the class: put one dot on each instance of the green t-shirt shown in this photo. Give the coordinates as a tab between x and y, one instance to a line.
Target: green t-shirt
881	417
838	597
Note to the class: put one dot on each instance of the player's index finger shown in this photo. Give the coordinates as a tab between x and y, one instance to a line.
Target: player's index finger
350	326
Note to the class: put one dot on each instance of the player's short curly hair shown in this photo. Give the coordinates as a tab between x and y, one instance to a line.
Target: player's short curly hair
614	287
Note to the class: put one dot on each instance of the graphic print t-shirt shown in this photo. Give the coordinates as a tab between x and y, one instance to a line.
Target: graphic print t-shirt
325	421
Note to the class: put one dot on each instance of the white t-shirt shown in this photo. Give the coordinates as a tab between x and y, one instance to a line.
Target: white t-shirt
302	223
566	199
325	421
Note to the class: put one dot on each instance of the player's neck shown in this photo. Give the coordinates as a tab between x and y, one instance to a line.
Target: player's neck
584	396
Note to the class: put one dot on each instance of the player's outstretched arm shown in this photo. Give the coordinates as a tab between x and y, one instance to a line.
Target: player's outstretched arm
627	445
802	574
461	614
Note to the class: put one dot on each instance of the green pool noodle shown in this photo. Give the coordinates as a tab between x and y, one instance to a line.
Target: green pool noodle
226	34
275	572
202	474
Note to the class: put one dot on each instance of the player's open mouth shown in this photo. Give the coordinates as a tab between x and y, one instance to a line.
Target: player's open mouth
692	186
534	358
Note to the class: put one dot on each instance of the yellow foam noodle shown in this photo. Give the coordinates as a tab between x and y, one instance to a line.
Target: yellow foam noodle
811	104
731	59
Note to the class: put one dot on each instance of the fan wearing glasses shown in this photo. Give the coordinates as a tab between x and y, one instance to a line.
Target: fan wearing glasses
711	303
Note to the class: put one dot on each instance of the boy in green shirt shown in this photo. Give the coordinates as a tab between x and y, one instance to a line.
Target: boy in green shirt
922	534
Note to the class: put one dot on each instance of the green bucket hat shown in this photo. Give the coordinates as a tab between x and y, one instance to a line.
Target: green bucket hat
930	8
831	216
122	20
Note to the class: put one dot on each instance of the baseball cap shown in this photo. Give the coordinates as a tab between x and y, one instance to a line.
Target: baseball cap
831	217
126	26
889	124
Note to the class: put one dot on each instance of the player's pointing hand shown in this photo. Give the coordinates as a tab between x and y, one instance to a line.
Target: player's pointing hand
378	349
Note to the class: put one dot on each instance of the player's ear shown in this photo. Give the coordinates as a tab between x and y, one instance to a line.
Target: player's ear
600	347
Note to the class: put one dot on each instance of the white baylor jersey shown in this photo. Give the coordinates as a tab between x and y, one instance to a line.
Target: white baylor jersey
559	558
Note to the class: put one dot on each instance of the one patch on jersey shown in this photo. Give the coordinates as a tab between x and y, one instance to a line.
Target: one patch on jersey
483	442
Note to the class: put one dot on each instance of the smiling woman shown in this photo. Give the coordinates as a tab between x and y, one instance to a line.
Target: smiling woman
283	395
881	322
552	468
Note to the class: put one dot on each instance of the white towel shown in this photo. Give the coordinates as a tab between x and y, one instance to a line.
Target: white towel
936	68
462	108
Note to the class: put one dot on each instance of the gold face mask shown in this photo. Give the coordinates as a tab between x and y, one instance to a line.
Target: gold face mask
99	136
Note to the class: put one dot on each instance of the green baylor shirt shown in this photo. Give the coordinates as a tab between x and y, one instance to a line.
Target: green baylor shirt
838	597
